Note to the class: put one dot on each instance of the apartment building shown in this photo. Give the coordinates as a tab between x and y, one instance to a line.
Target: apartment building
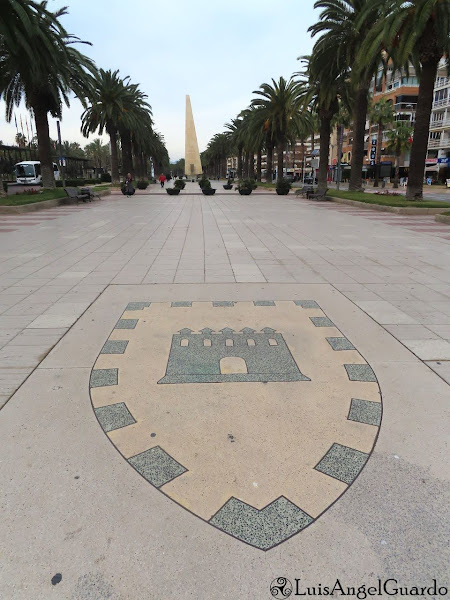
438	158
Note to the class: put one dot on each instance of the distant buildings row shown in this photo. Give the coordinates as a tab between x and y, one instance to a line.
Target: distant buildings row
401	90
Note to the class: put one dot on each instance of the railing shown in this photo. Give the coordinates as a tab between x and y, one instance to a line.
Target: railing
442	102
405	106
442	82
442	143
442	123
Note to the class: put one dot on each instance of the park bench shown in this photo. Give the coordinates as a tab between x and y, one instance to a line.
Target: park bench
320	195
74	194
90	192
305	190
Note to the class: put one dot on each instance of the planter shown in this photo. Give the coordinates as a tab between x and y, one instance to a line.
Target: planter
245	192
227	186
282	192
209	192
173	191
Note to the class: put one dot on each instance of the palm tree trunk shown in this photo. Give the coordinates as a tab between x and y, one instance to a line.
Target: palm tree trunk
114	156
251	165
397	170
44	146
239	165
127	159
325	133
421	130
280	159
303	158
258	164
378	155
269	162
359	130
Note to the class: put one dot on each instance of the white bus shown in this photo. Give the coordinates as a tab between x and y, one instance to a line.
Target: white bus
29	171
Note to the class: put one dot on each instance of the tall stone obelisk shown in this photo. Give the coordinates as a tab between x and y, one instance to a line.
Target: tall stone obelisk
193	164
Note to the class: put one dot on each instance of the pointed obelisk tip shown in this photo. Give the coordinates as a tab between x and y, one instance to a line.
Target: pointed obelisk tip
193	165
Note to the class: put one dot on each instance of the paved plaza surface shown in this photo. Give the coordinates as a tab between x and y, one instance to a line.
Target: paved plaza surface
204	394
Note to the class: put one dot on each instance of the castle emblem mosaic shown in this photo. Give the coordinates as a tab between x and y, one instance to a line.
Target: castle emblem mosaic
254	416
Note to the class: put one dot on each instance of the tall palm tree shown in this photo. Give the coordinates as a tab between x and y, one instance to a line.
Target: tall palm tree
282	105
381	114
399	141
235	133
45	81
98	153
343	25
138	117
415	31
108	102
324	84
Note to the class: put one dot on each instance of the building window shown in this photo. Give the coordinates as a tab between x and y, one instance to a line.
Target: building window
184	343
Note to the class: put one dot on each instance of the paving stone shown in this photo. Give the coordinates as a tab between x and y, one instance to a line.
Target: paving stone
126	323
340	343
181	304
307	303
322	322
223	303
156	466
360	373
264	303
261	528
365	411
103	377
114	347
342	463
137	305
114	416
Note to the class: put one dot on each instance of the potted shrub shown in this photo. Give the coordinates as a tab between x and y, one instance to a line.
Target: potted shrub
179	183
246	187
283	187
229	184
206	187
173	191
204	182
142	184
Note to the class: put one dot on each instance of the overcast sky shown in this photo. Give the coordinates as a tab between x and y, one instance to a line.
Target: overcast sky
217	52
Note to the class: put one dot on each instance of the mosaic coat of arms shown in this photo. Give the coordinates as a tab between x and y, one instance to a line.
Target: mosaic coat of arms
254	416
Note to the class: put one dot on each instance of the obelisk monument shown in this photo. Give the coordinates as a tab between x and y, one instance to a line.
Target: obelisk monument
193	165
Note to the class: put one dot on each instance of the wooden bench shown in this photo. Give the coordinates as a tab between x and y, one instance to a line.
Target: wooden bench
304	191
90	192
320	195
74	194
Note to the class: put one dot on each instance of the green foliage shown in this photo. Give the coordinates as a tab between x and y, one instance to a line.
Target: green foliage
179	183
204	183
247	184
142	184
386	201
105	177
283	187
173	191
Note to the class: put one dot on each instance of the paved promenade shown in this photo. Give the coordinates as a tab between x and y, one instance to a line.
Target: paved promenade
284	473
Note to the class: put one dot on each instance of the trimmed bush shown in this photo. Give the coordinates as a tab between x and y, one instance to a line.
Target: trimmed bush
283	187
105	178
142	184
179	183
246	187
173	191
204	183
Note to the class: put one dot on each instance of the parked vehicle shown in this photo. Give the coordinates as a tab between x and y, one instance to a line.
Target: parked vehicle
29	171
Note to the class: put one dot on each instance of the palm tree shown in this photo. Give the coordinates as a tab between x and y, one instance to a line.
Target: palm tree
45	81
236	137
399	141
138	118
98	153
282	106
341	120
324	82
109	99
415	31
381	113
345	22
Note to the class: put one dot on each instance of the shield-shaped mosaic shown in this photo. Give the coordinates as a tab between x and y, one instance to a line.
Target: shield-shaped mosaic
254	416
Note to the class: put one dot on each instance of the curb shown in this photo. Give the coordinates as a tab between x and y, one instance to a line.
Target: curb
443	218
400	210
26	208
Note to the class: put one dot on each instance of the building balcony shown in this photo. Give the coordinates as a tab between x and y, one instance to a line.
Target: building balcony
440	124
442	82
441	103
409	106
442	143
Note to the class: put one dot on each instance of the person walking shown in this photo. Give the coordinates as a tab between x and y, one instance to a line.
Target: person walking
129	185
162	179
